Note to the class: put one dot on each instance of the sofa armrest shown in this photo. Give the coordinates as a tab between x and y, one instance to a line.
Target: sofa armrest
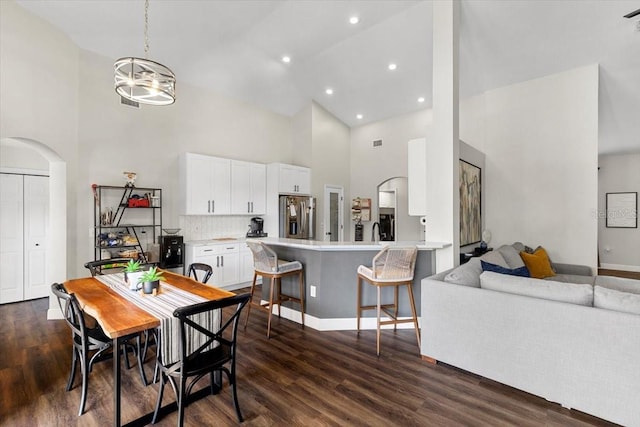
579	270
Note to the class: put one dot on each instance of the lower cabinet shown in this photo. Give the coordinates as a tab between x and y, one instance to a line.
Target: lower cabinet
228	260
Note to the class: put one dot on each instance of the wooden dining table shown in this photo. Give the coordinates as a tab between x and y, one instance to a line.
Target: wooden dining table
121	319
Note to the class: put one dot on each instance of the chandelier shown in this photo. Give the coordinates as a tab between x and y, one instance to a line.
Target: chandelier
143	80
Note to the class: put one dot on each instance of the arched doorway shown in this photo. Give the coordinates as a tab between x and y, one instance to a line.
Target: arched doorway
57	238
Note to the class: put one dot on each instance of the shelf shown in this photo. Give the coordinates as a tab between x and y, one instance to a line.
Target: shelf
127	226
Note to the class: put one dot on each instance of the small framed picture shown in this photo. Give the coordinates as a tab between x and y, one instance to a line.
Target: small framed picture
622	210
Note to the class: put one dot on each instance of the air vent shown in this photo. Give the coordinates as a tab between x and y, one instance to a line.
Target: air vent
129	102
377	143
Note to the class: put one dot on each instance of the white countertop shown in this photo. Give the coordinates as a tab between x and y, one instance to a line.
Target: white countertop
347	246
318	245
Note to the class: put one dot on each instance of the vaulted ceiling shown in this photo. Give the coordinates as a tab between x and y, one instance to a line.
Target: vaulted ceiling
236	48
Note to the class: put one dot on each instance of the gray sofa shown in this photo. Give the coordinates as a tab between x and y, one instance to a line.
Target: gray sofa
541	336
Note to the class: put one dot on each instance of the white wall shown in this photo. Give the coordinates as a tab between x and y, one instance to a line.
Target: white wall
371	166
116	138
541	145
330	154
619	248
39	101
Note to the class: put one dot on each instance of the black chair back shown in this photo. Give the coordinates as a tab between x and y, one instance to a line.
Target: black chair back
205	271
71	311
95	267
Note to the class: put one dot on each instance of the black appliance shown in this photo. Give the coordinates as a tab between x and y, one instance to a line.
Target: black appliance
171	251
256	228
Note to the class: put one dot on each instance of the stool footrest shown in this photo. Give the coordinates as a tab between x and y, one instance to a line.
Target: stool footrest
373	307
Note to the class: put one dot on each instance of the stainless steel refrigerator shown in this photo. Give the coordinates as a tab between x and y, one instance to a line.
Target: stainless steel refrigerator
297	217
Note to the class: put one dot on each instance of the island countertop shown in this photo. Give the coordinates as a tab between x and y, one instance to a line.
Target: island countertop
318	245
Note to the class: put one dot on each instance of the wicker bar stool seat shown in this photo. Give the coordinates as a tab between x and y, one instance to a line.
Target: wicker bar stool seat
392	266
268	266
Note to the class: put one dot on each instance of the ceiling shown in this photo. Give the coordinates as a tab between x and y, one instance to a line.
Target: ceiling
235	48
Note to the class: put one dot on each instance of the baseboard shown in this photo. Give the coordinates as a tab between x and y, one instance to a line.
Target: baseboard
54	314
337	324
634	268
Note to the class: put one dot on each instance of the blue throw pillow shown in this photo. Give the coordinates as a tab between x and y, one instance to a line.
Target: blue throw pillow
521	271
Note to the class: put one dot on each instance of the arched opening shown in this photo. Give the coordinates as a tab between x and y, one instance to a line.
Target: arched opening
57	237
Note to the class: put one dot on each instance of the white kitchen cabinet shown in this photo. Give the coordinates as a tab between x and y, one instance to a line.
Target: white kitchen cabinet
205	185
246	264
224	258
292	179
248	188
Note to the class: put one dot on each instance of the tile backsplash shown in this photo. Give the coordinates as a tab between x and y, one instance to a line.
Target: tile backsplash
203	227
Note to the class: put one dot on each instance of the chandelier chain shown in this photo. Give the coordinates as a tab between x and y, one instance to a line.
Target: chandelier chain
146	29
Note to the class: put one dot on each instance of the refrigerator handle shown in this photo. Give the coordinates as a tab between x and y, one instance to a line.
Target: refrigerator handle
303	220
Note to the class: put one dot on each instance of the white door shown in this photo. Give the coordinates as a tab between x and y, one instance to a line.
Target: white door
36	223
199	184
11	238
333	213
258	189
221	175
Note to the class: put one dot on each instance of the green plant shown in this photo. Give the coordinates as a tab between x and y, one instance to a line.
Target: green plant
151	275
132	266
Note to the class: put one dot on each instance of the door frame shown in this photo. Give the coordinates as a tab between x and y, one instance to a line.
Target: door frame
326	215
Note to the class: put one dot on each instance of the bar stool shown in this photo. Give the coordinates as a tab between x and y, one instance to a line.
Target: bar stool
392	266
268	266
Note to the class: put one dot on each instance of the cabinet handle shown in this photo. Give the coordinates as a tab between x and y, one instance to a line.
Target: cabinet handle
217	261
251	207
213	206
222	263
209	206
248	207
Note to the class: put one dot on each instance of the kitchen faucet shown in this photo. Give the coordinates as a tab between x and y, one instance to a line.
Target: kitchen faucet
373	232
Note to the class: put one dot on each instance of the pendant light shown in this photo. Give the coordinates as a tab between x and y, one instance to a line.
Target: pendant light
142	80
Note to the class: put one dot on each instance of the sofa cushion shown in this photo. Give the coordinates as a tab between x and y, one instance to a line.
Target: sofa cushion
495	257
619	284
611	299
538	263
521	271
511	256
571	278
573	293
467	274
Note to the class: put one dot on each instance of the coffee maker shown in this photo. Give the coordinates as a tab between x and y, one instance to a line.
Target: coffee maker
256	228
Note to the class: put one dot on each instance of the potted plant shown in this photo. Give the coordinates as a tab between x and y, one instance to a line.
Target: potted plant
150	280
132	273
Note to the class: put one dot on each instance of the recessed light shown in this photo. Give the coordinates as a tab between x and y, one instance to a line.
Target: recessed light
354	20
286	59
392	66
329	91
359	116
421	99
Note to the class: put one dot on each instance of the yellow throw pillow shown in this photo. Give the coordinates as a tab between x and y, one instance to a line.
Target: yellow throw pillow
538	263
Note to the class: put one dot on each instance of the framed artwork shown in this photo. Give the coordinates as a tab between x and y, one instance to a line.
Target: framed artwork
622	210
470	204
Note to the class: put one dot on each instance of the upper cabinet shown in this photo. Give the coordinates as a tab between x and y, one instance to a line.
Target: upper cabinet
205	185
248	188
292	179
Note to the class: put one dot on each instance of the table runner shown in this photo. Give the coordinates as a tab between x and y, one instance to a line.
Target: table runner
162	306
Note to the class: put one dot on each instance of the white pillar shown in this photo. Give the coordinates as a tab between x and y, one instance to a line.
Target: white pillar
442	153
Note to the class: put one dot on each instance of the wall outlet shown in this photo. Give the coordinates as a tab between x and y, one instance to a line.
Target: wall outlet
312	291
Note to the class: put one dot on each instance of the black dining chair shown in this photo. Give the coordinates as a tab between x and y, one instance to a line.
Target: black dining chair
202	350
205	271
96	268
90	345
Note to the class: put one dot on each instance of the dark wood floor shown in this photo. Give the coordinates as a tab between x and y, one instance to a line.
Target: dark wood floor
298	377
619	273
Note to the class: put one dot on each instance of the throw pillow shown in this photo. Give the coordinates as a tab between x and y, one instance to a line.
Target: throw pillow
511	256
520	271
467	274
538	263
494	257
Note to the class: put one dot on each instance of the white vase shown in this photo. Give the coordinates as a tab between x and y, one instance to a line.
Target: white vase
132	279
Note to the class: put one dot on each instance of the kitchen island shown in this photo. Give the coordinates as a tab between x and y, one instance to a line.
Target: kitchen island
330	280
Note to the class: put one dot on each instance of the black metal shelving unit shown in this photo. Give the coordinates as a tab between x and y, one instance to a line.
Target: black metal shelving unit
152	224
